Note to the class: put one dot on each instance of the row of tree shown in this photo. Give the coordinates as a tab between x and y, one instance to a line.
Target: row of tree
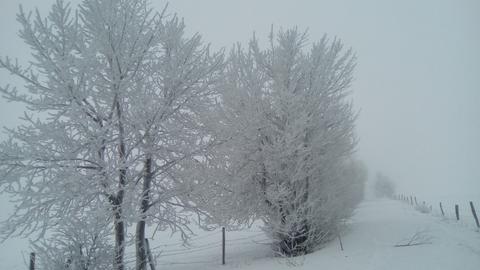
132	123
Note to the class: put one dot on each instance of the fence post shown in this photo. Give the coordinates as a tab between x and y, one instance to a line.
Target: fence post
441	209
457	214
340	240
149	255
32	261
223	245
474	214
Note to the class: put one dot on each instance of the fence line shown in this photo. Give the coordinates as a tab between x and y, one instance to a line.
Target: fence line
412	200
200	247
191	248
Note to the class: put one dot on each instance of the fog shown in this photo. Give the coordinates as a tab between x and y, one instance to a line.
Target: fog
417	81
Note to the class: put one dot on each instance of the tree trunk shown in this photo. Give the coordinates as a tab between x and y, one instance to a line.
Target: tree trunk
263	183
294	242
140	235
118	203
304	231
119	238
141	253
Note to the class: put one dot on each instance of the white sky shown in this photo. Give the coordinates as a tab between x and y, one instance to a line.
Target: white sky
417	79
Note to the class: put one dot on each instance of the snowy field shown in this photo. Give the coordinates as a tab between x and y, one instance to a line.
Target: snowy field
376	228
369	243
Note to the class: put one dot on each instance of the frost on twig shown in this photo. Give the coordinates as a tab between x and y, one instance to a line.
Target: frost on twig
418	238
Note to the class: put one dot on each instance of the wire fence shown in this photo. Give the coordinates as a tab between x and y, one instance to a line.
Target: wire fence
198	250
462	214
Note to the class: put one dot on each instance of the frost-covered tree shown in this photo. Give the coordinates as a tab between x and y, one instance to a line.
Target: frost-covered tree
383	187
174	133
354	175
292	131
116	98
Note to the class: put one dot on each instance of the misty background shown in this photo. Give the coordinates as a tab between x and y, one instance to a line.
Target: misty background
417	81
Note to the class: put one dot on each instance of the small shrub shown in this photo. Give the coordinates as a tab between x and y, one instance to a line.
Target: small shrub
423	208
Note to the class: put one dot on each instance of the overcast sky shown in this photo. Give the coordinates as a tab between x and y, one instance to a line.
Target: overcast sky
417	82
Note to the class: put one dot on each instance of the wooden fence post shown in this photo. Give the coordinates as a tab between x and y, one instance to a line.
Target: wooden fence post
32	261
457	214
340	240
441	209
474	214
149	255
223	245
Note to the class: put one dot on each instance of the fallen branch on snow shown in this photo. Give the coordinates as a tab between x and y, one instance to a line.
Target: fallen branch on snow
419	238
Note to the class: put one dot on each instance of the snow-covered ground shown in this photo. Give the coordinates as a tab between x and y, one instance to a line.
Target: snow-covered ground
369	243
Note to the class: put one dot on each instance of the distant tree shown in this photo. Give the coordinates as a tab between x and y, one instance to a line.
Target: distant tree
354	176
291	126
384	187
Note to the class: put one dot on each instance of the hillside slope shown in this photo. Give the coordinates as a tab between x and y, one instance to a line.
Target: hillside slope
369	243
